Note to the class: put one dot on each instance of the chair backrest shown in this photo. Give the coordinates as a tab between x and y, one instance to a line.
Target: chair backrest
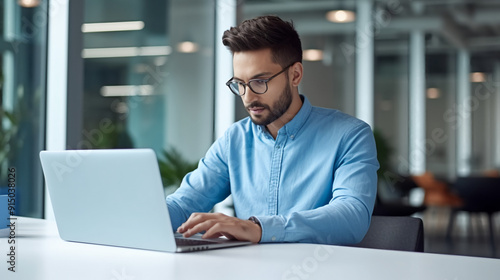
480	194
394	233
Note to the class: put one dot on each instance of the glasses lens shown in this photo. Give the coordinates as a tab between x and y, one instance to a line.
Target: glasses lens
237	88
258	86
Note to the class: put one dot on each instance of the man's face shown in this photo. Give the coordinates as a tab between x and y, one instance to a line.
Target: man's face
270	106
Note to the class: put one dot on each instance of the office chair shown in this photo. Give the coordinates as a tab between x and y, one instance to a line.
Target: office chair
394	233
480	195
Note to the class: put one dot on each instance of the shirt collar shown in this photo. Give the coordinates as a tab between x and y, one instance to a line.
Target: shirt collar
292	127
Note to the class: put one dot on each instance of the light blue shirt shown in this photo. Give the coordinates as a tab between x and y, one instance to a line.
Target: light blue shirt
315	183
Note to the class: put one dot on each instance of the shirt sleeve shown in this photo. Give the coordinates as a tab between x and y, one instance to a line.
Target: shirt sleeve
346	218
201	189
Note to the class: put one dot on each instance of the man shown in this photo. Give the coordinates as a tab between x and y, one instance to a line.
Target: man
297	173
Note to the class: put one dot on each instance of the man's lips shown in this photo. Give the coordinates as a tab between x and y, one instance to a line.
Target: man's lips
256	110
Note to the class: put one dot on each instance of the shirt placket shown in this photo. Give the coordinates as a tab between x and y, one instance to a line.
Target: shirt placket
274	183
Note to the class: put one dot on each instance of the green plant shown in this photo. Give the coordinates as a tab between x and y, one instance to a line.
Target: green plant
388	179
117	138
173	168
9	123
383	153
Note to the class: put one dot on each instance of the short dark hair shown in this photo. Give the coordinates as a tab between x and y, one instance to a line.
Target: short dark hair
266	32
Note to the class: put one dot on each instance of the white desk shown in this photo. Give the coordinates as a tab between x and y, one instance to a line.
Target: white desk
41	254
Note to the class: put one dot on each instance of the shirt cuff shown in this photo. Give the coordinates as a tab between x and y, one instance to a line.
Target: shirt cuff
273	228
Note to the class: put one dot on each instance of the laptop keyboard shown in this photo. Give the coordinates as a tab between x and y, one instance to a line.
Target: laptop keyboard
192	242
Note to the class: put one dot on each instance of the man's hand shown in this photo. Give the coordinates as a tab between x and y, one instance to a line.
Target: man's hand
218	224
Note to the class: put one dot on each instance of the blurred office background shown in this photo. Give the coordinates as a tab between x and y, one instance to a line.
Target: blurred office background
424	74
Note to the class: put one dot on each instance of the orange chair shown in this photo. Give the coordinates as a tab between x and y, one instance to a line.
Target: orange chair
437	192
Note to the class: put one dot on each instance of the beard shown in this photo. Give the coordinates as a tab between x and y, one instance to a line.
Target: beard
279	108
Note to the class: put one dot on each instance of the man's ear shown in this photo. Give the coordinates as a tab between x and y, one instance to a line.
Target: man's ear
296	75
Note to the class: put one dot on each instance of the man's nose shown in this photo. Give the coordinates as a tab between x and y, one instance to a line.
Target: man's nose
249	95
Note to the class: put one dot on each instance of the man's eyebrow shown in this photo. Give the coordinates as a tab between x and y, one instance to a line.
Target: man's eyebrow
254	76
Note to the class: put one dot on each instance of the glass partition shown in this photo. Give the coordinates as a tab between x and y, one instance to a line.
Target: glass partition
23	46
148	75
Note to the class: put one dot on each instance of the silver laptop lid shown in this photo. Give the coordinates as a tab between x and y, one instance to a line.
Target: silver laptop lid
110	197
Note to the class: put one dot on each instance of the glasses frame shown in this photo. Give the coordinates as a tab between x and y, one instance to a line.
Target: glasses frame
245	85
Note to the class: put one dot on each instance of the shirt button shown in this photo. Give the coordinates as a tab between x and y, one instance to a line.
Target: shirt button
277	147
292	136
273	238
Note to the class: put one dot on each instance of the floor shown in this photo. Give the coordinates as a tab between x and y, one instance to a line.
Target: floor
470	235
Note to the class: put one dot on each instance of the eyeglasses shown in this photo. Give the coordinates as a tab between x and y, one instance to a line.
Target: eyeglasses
259	86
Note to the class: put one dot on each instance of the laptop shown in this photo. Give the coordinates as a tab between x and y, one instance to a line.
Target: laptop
115	198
